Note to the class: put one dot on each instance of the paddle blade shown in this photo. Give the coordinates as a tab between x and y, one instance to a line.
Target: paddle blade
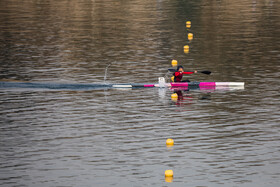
205	72
172	70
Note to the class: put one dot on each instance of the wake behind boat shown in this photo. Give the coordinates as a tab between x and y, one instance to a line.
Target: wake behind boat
160	84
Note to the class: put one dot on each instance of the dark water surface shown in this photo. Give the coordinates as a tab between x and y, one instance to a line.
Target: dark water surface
116	137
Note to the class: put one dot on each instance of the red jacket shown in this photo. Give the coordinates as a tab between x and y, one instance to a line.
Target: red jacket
179	75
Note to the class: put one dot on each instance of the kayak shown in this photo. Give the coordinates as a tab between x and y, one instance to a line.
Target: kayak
186	85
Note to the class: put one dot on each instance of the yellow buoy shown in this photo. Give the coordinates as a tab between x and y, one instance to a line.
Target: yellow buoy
168	173
169	141
174	63
190	36
174	95
188	24
186	49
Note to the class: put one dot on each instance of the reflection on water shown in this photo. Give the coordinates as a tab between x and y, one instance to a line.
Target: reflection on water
81	137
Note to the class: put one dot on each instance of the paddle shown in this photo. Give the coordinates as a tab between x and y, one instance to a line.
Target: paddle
204	72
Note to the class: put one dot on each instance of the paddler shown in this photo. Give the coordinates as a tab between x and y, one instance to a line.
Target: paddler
178	75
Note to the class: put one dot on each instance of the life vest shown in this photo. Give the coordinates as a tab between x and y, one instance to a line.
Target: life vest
173	78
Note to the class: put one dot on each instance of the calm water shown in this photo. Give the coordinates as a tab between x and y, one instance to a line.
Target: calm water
58	137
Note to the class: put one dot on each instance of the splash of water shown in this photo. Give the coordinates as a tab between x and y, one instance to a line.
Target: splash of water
105	76
167	75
